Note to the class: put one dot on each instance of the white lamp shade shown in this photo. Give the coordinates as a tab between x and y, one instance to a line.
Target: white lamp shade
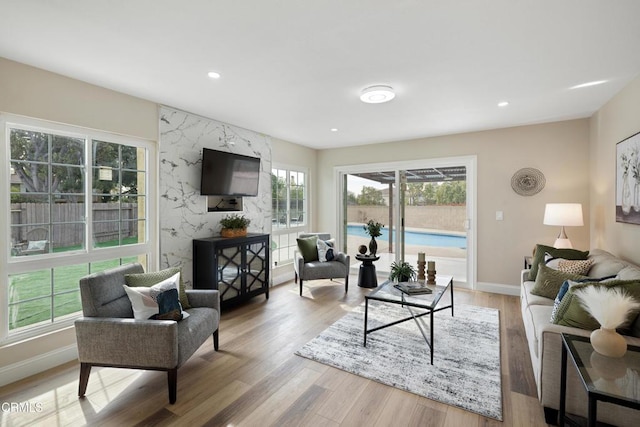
563	214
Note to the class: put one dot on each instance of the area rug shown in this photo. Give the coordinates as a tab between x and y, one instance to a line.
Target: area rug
466	364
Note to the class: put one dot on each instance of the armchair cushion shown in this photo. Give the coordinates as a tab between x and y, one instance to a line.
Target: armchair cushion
308	247
325	250
152	278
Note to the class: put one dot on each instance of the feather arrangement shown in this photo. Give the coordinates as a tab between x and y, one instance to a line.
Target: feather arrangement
610	307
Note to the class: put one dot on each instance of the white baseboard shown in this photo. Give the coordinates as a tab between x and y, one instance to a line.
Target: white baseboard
498	288
26	368
282	278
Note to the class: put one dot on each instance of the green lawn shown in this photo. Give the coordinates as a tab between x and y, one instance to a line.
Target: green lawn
33	298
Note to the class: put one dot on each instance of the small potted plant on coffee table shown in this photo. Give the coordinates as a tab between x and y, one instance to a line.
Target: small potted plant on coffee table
234	225
402	272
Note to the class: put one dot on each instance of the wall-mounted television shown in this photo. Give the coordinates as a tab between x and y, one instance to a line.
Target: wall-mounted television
228	174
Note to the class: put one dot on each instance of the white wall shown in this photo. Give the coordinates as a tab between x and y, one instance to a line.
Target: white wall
615	121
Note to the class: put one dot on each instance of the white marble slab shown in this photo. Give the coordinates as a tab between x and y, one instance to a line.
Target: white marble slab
183	211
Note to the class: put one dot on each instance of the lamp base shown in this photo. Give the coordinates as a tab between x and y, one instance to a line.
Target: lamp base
563	244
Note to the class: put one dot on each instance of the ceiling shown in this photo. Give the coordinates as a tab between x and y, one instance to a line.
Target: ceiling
294	69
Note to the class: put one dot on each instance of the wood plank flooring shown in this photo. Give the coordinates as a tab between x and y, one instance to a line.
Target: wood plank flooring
256	380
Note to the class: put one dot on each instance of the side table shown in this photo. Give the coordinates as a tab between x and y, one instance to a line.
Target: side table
367	274
598	374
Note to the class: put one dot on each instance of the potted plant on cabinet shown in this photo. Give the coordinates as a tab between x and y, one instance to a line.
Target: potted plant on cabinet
402	272
234	225
373	229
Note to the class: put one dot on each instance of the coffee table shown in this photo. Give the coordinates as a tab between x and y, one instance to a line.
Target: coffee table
387	293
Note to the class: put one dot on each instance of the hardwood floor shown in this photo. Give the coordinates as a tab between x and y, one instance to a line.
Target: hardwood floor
256	380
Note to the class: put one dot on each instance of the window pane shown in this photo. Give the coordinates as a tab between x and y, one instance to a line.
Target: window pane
106	233
106	154
66	288
68	237
31	177
133	158
67	150
130	182
132	232
106	181
30	240
67	179
29	145
29	301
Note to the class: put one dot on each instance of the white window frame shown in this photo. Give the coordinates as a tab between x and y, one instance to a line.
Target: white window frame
11	265
289	229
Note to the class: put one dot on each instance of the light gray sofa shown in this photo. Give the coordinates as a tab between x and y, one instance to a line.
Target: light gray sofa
545	346
334	269
108	334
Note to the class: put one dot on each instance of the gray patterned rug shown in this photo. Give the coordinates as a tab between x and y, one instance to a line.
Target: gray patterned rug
466	363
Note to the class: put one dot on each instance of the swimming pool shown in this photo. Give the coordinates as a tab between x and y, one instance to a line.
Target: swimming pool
416	237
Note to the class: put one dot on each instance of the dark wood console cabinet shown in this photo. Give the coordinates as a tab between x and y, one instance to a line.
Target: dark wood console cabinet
238	266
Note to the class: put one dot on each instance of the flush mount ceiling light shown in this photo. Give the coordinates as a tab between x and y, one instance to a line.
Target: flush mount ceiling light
213	75
377	94
503	103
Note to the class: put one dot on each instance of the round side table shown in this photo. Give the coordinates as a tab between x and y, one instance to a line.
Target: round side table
367	274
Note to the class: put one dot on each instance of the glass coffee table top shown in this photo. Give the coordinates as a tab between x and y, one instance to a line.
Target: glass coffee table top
607	376
388	293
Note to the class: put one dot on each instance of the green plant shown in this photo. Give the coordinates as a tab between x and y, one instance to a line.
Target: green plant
402	272
235	222
373	228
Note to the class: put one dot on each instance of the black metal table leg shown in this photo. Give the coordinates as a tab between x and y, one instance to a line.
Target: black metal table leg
366	312
593	411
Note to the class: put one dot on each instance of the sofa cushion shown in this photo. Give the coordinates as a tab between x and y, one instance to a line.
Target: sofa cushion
152	278
629	273
532	299
542	250
549	281
572	313
604	264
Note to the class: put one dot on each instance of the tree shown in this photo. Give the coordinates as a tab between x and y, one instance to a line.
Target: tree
352	199
451	193
370	196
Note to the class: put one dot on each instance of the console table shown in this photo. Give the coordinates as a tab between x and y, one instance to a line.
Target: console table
238	266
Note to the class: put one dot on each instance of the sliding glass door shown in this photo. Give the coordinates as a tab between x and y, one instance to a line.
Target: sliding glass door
425	206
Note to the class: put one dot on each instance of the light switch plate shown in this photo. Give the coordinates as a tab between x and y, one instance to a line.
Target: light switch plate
499	215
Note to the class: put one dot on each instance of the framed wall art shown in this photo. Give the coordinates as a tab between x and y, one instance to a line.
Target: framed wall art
628	180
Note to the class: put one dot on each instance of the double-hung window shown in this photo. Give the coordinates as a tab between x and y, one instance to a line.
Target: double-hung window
77	202
289	189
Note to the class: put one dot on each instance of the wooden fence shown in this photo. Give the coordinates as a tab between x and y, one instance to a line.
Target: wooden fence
66	222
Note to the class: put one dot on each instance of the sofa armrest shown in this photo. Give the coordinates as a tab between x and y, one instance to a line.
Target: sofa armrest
127	342
524	276
204	298
298	262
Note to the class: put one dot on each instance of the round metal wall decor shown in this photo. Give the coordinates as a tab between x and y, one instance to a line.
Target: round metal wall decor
528	181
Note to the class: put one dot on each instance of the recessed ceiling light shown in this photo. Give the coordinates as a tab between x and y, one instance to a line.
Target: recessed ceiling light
503	103
594	83
377	94
334	129
213	75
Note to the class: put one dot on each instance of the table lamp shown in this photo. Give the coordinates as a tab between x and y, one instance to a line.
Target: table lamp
564	215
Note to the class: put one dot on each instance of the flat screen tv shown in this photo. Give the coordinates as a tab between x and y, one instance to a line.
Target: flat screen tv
229	174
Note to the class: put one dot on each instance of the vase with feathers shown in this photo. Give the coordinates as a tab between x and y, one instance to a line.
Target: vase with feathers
610	307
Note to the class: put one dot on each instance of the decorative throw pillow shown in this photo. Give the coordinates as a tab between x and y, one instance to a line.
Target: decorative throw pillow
572	313
159	301
325	250
541	250
549	281
150	279
308	247
556	303
575	266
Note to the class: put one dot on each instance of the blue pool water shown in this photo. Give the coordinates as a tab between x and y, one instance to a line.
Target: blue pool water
416	237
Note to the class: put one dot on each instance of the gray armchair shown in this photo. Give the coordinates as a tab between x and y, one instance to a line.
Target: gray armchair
108	334
334	269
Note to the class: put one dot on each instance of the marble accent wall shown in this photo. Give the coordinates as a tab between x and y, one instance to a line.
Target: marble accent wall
183	211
